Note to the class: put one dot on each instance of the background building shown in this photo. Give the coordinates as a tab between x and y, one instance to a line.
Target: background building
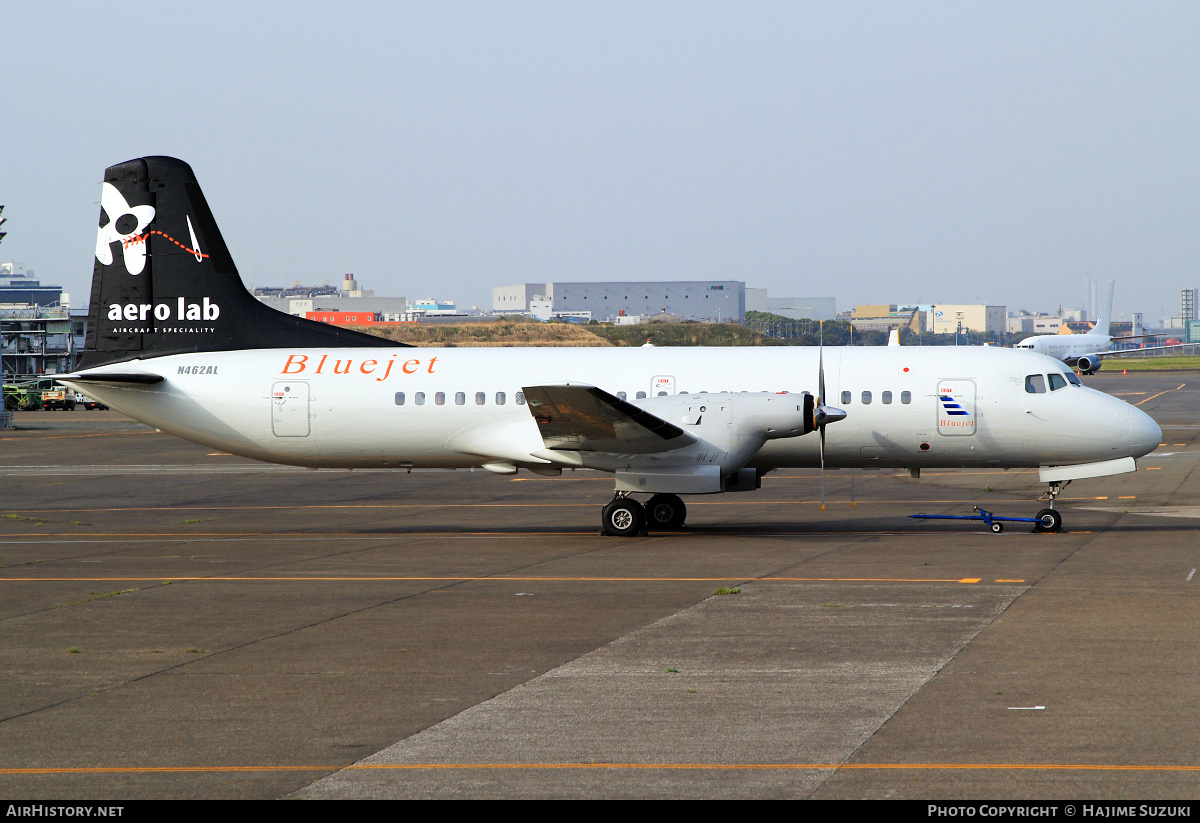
885	317
710	300
948	319
17	285
38	332
301	300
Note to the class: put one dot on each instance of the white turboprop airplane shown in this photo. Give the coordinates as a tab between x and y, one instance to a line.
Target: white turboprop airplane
176	341
1085	351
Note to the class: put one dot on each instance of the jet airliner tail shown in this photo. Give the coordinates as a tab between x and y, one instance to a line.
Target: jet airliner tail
1106	312
165	283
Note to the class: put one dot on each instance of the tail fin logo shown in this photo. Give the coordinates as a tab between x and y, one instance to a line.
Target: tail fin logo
195	249
125	225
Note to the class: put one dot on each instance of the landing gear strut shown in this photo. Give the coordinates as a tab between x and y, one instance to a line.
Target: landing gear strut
625	517
1049	520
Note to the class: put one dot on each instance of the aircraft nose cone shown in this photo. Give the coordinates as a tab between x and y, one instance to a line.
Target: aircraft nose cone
1144	433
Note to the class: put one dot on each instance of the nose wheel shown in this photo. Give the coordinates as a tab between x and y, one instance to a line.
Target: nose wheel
1048	520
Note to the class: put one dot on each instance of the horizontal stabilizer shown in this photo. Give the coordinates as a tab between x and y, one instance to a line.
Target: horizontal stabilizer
578	417
112	377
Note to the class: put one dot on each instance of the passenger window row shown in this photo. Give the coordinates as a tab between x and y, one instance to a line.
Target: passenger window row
885	398
460	398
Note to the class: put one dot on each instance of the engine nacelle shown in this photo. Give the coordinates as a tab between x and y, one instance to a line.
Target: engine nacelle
772	416
1088	364
736	424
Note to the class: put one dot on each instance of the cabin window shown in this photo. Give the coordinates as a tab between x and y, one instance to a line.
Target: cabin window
439	399
460	398
662	394
906	397
866	398
886	397
1072	378
480	398
1057	381
622	395
641	395
520	398
1035	384
845	398
419	397
500	398
399	398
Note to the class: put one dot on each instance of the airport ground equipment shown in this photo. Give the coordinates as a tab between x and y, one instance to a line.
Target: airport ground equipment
1047	520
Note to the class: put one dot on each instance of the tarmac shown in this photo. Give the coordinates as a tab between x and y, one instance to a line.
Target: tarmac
178	623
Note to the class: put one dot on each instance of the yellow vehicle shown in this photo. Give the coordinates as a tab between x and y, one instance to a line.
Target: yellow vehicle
58	398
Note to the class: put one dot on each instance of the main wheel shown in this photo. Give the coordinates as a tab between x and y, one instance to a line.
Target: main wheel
997	527
665	511
1049	520
623	518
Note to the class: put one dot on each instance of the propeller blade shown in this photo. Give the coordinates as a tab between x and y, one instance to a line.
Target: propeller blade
822	468
820	415
821	365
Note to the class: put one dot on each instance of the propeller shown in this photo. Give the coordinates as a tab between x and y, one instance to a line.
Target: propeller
823	415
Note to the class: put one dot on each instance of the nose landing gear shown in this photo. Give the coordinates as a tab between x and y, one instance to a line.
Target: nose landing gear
1049	520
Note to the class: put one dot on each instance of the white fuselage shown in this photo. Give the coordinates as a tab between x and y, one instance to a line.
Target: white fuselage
390	408
1067	347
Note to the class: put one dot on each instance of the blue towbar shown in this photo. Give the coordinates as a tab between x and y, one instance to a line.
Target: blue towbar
1047	519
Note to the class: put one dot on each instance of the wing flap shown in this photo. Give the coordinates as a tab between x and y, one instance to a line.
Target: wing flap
579	417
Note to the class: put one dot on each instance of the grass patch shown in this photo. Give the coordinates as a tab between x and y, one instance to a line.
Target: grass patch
23	519
493	333
832	606
727	590
1178	363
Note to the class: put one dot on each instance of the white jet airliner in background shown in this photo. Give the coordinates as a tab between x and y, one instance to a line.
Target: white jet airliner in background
176	341
1085	351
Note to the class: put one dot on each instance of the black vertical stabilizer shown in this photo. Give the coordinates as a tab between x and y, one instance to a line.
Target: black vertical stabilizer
164	282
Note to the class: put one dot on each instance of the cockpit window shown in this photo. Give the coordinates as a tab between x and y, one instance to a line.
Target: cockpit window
1072	378
1057	381
1035	384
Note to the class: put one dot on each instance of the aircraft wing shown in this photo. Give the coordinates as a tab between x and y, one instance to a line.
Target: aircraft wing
579	417
1119	352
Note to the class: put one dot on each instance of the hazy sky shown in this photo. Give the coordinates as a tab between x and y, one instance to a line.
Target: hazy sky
876	152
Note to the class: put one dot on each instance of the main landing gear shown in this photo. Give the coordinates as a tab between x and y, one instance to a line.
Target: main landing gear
625	517
1049	520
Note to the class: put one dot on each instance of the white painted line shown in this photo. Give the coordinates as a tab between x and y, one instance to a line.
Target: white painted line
1191	574
1026	708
